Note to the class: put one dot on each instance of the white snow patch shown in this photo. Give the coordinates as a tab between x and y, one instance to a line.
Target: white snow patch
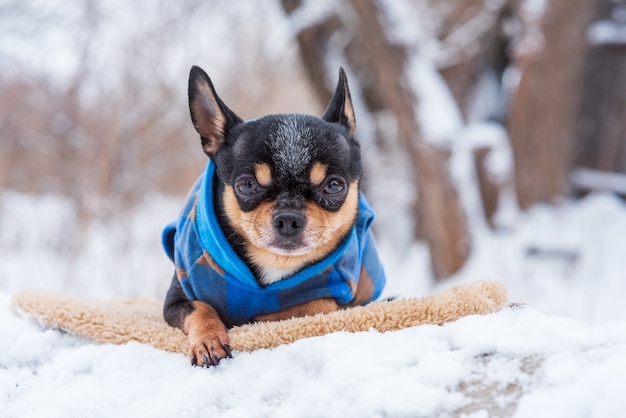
439	117
607	32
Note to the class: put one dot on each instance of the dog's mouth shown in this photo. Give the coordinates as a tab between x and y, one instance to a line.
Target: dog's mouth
293	245
289	248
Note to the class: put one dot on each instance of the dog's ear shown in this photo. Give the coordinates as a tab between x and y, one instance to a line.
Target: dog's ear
340	109
210	116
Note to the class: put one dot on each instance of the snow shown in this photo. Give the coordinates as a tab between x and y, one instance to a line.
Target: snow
525	361
435	103
607	32
43	244
588	179
531	41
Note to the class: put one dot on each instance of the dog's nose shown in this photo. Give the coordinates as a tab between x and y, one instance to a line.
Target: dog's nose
288	223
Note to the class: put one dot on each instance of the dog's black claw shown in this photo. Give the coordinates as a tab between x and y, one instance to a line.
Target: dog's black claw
206	361
227	349
215	359
194	363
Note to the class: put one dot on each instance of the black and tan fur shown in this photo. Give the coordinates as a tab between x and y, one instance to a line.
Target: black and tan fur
287	191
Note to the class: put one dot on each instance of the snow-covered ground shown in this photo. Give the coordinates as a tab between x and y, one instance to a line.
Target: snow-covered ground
525	361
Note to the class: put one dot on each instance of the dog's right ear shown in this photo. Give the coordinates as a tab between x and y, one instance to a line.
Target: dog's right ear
210	116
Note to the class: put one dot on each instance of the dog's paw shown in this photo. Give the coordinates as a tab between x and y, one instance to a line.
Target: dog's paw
208	337
209	347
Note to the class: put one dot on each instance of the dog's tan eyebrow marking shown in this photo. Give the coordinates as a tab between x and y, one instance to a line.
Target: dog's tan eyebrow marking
318	173
263	174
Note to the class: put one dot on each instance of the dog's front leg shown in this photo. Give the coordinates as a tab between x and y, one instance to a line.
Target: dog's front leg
207	334
208	337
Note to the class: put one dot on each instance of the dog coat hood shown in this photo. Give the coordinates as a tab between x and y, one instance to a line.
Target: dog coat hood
209	269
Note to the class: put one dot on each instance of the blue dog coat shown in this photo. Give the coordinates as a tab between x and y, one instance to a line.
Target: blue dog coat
209	270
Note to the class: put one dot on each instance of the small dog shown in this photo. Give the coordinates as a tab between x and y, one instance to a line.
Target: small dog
275	227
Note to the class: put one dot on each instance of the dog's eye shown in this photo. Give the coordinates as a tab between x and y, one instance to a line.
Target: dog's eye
332	193
246	186
334	186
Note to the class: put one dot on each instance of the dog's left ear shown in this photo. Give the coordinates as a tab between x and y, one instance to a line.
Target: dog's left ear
340	109
210	116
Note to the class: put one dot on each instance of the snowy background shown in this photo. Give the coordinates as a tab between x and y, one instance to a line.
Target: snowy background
561	353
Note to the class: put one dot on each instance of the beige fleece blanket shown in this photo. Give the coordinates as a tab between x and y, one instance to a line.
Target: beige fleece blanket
119	321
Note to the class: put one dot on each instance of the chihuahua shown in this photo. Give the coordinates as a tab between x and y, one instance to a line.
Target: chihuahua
275	227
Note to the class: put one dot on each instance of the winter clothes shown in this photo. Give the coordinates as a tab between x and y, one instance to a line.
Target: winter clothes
209	269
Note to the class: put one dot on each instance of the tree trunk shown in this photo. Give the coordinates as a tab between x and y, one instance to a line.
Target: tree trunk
489	189
473	36
544	105
602	121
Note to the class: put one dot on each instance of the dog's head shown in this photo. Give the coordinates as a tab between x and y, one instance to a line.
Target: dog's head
288	184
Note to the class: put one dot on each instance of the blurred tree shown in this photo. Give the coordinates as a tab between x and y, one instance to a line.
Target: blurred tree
380	67
82	134
601	125
473	60
100	114
542	118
